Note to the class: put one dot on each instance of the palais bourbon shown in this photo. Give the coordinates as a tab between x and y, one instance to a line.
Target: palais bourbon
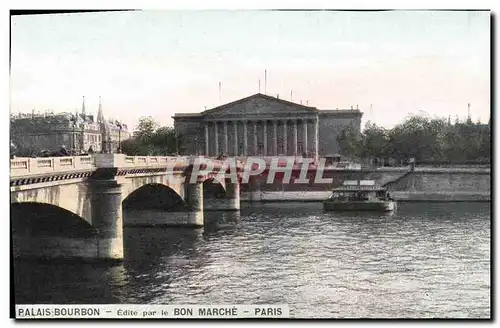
265	126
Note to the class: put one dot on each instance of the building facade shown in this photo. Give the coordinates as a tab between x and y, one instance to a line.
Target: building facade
78	132
261	125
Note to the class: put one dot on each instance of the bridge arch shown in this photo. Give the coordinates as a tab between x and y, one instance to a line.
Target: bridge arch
156	196
74	198
47	220
43	231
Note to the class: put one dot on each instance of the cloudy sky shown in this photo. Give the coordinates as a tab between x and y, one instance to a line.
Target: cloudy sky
157	63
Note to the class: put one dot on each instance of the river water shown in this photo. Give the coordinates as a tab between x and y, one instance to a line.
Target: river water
428	260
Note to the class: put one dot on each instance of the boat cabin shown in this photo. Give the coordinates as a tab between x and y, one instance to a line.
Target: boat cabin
362	190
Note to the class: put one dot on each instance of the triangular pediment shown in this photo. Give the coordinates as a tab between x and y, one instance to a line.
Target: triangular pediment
258	104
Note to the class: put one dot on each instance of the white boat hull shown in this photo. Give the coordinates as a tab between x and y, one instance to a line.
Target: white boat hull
374	206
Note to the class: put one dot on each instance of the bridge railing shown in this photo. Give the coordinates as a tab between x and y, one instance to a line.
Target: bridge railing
124	161
32	166
474	170
146	161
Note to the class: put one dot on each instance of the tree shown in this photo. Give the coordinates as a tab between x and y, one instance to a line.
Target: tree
485	148
152	140
131	147
375	141
165	140
418	137
349	142
453	149
146	128
472	135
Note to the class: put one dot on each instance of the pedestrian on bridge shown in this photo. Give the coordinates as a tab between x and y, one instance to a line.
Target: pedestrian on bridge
62	151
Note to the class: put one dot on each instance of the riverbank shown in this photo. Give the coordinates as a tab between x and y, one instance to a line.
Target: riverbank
401	196
422	184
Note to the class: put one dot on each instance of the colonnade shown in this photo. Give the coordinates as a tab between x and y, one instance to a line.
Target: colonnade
268	137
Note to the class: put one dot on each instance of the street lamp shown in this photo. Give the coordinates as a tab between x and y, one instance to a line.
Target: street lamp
109	145
73	120
82	138
119	148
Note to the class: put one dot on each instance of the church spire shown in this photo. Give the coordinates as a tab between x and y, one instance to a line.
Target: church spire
100	116
105	136
83	107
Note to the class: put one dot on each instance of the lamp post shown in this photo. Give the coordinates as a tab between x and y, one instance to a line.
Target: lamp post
82	138
119	148
73	120
109	145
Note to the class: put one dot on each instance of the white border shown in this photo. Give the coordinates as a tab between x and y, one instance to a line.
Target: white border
192	4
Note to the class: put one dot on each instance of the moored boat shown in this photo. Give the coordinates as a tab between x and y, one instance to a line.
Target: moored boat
362	195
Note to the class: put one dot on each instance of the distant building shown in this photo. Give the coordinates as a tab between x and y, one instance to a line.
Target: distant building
266	126
32	133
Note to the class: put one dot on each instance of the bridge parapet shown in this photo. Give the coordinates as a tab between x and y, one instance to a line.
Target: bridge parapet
124	161
25	166
472	170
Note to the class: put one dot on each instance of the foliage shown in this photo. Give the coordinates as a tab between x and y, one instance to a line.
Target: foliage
146	128
151	139
375	141
422	138
349	142
164	140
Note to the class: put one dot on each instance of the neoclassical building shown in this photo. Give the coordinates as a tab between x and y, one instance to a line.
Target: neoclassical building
263	125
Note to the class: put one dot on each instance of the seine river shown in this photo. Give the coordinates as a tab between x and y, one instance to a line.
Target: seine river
429	260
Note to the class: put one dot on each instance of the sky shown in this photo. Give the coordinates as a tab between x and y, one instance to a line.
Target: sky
156	63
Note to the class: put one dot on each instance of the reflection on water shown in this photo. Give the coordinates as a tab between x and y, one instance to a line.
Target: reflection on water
427	260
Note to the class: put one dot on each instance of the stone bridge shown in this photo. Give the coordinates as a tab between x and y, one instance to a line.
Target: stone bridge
72	206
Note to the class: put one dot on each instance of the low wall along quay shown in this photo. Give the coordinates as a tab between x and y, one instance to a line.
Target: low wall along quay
421	184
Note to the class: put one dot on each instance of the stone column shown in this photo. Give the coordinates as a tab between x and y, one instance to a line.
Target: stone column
295	137
226	144
206	140
245	138
106	215
285	139
265	137
275	137
305	136
255	149
194	198
316	134
236	146
216	139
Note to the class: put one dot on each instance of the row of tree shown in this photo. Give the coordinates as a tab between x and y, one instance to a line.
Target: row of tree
151	139
422	138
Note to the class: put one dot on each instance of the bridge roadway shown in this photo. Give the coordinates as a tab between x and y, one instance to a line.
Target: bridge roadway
93	188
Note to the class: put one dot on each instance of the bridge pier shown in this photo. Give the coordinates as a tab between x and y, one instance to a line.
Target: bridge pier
107	219
230	201
233	196
194	198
